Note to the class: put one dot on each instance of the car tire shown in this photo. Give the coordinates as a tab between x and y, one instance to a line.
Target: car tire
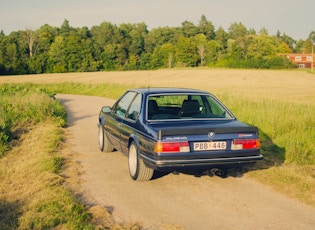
104	144
137	169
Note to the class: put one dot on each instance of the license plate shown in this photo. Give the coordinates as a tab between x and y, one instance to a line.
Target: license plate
214	145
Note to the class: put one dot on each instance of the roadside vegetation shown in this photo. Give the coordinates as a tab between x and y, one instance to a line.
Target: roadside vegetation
33	191
33	188
287	131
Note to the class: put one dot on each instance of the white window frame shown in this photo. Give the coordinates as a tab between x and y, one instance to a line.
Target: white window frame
298	58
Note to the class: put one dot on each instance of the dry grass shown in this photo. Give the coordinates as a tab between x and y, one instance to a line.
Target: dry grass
275	84
23	175
34	196
295	180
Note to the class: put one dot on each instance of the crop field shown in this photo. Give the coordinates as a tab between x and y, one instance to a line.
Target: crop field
281	85
280	102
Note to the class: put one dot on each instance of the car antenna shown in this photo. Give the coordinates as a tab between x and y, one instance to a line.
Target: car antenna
149	80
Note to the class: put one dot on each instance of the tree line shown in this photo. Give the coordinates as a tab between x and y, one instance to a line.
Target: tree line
107	47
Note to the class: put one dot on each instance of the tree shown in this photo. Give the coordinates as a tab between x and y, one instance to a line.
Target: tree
307	47
65	28
299	47
2	58
186	54
261	46
104	34
189	29
284	48
161	35
206	27
133	46
138	34
263	31
45	37
312	36
213	52
72	53
201	44
237	30
287	39
14	53
109	57
31	40
163	56
222	38
57	60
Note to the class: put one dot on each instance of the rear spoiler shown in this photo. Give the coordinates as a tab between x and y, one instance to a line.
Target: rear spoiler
200	131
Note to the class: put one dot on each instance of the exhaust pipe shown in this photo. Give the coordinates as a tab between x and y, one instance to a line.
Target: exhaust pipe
218	172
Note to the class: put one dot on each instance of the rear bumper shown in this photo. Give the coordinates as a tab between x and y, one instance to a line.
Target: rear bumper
200	163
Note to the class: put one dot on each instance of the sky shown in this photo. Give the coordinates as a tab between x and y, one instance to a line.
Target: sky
293	18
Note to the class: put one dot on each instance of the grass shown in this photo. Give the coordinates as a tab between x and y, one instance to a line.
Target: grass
289	125
33	191
110	90
22	106
287	131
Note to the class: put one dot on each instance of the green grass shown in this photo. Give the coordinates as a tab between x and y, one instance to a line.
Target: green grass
287	132
110	90
22	106
289	126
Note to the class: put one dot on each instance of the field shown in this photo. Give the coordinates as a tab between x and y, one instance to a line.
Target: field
281	85
280	103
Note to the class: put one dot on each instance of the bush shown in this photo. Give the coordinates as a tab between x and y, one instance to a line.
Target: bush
21	105
268	62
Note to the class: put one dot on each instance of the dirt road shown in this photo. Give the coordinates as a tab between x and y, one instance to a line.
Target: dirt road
182	200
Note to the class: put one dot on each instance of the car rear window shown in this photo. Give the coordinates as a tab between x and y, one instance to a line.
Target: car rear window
186	106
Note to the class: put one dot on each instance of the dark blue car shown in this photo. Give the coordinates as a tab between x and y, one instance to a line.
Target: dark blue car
173	129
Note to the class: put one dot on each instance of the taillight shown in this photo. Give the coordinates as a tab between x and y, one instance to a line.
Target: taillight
168	147
238	144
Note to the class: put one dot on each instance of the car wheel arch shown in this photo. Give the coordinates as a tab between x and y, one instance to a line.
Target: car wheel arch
101	120
133	138
138	170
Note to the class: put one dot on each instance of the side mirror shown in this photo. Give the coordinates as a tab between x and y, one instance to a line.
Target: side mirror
106	109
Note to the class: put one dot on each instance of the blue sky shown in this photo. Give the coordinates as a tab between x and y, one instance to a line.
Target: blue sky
294	18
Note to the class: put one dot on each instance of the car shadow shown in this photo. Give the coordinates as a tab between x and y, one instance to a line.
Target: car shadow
159	174
10	211
274	155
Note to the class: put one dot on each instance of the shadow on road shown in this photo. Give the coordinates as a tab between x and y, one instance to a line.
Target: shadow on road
9	214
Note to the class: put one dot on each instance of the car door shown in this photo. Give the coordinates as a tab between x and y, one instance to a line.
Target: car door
119	112
129	126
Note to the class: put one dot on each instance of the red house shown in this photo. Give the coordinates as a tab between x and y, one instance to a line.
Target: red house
302	60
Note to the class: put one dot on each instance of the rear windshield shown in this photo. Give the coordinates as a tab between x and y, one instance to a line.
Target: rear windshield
179	106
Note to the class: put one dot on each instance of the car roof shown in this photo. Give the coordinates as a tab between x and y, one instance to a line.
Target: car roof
168	90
